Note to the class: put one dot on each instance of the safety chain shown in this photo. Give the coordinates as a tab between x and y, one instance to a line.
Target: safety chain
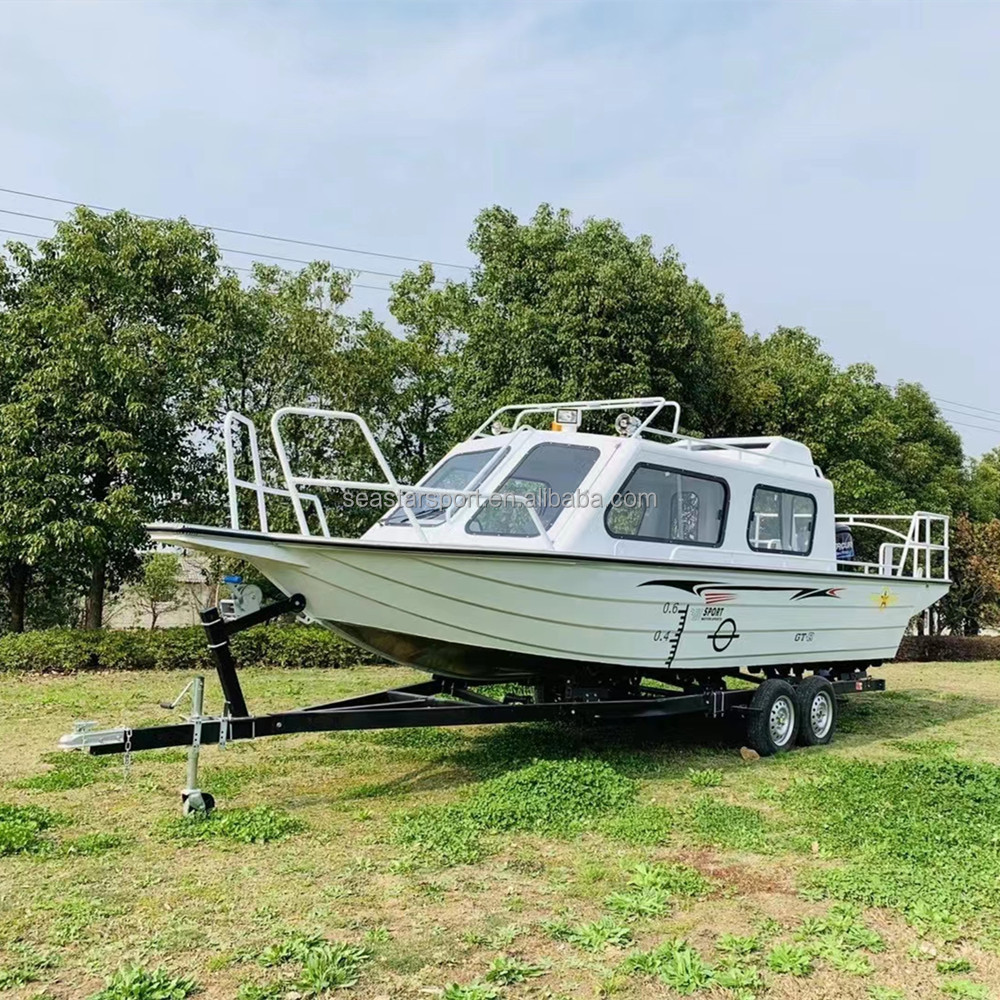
127	756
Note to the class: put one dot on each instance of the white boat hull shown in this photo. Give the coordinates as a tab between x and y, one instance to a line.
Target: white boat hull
488	614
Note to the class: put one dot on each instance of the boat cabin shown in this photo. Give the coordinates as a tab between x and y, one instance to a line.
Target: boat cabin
600	477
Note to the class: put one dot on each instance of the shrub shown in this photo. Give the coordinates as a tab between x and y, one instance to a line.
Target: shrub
946	648
65	651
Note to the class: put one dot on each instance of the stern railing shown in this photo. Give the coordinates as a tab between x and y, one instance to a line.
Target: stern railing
920	551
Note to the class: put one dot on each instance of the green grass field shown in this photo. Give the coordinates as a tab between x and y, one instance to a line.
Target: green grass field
509	862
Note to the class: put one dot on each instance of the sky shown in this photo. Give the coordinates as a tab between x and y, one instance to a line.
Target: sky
826	165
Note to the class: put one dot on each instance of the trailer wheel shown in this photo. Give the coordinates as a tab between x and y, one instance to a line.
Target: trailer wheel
817	711
197	802
774	718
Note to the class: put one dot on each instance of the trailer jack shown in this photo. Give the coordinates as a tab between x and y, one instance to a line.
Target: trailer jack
218	631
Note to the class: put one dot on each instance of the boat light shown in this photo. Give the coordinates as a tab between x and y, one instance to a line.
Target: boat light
626	424
567	420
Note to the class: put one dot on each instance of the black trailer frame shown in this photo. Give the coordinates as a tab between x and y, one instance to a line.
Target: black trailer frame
439	701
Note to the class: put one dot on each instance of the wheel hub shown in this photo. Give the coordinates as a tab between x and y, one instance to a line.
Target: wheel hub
821	714
781	720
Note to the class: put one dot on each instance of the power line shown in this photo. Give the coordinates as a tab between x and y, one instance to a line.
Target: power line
247	253
968	406
242	232
235	267
978	427
975	416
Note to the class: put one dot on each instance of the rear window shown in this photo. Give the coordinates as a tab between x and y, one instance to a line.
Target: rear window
547	477
781	521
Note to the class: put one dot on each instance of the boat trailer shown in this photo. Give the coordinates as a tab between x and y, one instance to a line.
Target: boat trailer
443	701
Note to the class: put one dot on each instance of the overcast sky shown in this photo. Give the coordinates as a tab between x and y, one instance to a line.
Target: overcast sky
833	166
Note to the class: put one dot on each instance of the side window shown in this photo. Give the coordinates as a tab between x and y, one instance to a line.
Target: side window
657	504
546	478
781	521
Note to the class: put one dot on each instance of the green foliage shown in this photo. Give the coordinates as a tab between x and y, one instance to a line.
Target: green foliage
135	983
473	991
102	343
594	936
27	969
21	828
294	947
965	989
72	650
973	601
949	965
506	971
885	993
560	797
646	902
159	587
256	825
790	959
555	797
675	879
69	769
715	822
332	966
920	835
442	835
92	844
325	965
736	946
674	962
707	777
641	825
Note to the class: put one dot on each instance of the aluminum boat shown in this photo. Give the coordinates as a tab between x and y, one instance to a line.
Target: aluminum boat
554	555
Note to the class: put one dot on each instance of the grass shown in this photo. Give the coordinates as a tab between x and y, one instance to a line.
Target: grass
506	862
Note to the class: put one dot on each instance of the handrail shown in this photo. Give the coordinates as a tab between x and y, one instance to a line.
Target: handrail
258	485
656	403
391	484
916	542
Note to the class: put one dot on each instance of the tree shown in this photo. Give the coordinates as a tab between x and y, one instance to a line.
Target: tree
101	346
159	589
886	450
556	310
974	598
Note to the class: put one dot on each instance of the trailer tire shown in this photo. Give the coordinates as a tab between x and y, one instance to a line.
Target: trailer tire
774	718
817	711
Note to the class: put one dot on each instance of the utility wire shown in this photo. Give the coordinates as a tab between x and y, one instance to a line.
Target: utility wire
242	232
975	416
247	253
987	413
968	406
235	267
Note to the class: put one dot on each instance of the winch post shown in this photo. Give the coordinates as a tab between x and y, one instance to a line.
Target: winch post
219	630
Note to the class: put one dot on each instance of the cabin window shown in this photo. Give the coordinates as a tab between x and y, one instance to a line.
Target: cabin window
548	478
781	521
658	504
458	472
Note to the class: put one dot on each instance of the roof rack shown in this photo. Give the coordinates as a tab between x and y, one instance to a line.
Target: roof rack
655	404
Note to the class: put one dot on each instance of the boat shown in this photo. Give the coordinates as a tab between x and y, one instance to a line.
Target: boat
585	546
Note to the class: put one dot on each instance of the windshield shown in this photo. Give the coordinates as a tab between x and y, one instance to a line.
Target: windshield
547	477
459	472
